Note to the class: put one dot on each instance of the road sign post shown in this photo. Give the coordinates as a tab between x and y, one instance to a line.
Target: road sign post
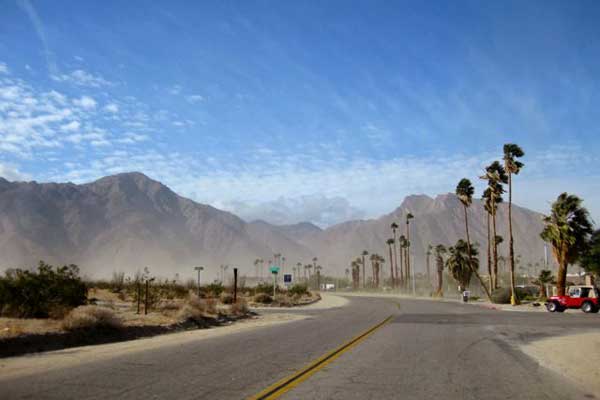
274	271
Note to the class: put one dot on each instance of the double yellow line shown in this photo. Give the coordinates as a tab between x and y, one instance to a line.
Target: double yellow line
286	384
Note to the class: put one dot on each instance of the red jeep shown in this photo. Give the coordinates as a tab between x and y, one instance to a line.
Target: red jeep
585	297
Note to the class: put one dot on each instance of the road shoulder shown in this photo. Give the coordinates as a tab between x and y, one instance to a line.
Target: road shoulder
576	357
26	365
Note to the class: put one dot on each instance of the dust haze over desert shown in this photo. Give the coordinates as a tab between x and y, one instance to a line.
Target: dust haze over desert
129	221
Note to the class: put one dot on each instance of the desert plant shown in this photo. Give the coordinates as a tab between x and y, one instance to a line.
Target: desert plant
590	258
91	317
36	293
117	283
215	289
464	192
512	166
440	251
197	310
566	229
263	298
460	265
283	300
264	288
226	298
503	295
542	280
239	308
298	289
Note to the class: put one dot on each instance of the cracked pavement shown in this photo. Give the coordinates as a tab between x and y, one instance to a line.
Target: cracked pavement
430	349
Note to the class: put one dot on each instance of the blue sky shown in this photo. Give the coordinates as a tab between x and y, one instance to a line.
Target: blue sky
290	111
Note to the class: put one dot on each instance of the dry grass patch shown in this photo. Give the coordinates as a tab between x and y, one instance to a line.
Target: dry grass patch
91	317
197	310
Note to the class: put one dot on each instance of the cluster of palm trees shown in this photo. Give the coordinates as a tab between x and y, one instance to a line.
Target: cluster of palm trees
400	272
305	272
463	262
377	262
567	229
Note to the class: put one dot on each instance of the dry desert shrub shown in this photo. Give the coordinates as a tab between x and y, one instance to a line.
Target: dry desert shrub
197	309
239	308
263	298
91	317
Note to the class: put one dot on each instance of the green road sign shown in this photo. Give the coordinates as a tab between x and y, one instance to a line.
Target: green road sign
274	270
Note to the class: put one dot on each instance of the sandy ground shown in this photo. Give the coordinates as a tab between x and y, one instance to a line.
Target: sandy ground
41	362
576	357
328	300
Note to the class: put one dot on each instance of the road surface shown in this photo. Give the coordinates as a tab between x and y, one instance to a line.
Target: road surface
426	350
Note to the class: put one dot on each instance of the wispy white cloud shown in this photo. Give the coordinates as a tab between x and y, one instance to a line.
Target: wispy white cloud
72	126
39	29
174	90
194	98
112	108
11	173
3	68
85	102
80	77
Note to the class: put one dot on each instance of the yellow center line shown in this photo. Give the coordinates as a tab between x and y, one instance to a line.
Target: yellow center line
282	386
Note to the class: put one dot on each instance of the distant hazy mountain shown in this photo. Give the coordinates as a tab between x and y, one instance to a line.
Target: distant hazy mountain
128	221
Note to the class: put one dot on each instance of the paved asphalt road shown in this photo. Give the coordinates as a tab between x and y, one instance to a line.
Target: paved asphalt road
428	350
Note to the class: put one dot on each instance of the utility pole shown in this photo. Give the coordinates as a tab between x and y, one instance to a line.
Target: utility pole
235	279
199	269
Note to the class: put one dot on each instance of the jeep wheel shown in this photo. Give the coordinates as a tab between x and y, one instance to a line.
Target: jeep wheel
552	306
588	307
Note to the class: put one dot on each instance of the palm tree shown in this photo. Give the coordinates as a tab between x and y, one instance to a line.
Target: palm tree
391	242
318	269
364	253
298	267
355	274
512	166
464	192
496	177
373	259
394	227
545	277
566	229
409	216
590	260
402	246
346	273
427	255
440	251
461	265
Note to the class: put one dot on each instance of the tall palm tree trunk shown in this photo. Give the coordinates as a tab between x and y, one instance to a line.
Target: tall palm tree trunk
489	253
408	271
440	282
392	265
487	292
428	274
394	262
514	300
495	249
401	268
561	275
363	272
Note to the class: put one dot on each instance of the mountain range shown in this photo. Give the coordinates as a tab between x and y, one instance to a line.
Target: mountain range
128	221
